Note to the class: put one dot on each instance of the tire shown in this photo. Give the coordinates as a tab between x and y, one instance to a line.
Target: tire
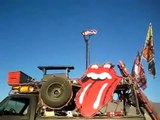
56	92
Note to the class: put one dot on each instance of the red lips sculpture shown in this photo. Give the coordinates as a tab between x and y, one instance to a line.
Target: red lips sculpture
97	86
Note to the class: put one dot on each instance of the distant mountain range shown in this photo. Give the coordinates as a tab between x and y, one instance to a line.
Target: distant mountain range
156	107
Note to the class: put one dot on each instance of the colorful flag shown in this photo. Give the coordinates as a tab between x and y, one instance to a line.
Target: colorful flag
151	67
138	72
148	51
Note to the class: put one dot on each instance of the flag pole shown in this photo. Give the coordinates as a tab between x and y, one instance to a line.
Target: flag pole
87	52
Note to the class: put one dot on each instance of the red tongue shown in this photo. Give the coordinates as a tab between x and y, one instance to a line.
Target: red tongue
94	95
93	98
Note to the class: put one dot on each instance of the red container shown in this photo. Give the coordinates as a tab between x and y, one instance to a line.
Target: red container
18	77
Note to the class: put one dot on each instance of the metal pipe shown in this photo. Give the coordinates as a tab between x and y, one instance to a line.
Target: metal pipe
87	52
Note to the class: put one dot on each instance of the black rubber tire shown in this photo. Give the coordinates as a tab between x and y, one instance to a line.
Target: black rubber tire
56	92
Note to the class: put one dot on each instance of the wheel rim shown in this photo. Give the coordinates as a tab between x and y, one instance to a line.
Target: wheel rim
55	90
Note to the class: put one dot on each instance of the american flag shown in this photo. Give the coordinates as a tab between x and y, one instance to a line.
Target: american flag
89	32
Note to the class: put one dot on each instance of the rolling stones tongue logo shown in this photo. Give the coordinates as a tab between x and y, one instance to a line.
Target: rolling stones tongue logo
97	86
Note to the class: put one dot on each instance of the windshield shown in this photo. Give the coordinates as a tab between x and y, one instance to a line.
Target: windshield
14	106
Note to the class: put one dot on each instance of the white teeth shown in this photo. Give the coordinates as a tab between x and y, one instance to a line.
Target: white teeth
92	75
105	75
101	76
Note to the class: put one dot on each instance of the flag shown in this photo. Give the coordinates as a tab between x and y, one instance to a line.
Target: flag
148	51
138	72
151	67
89	32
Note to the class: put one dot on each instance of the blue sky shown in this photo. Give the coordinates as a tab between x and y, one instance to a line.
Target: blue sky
43	32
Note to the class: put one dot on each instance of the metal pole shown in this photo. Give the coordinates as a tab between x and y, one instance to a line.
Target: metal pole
86	35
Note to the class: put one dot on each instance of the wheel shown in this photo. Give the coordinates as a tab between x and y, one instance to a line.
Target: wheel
56	92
